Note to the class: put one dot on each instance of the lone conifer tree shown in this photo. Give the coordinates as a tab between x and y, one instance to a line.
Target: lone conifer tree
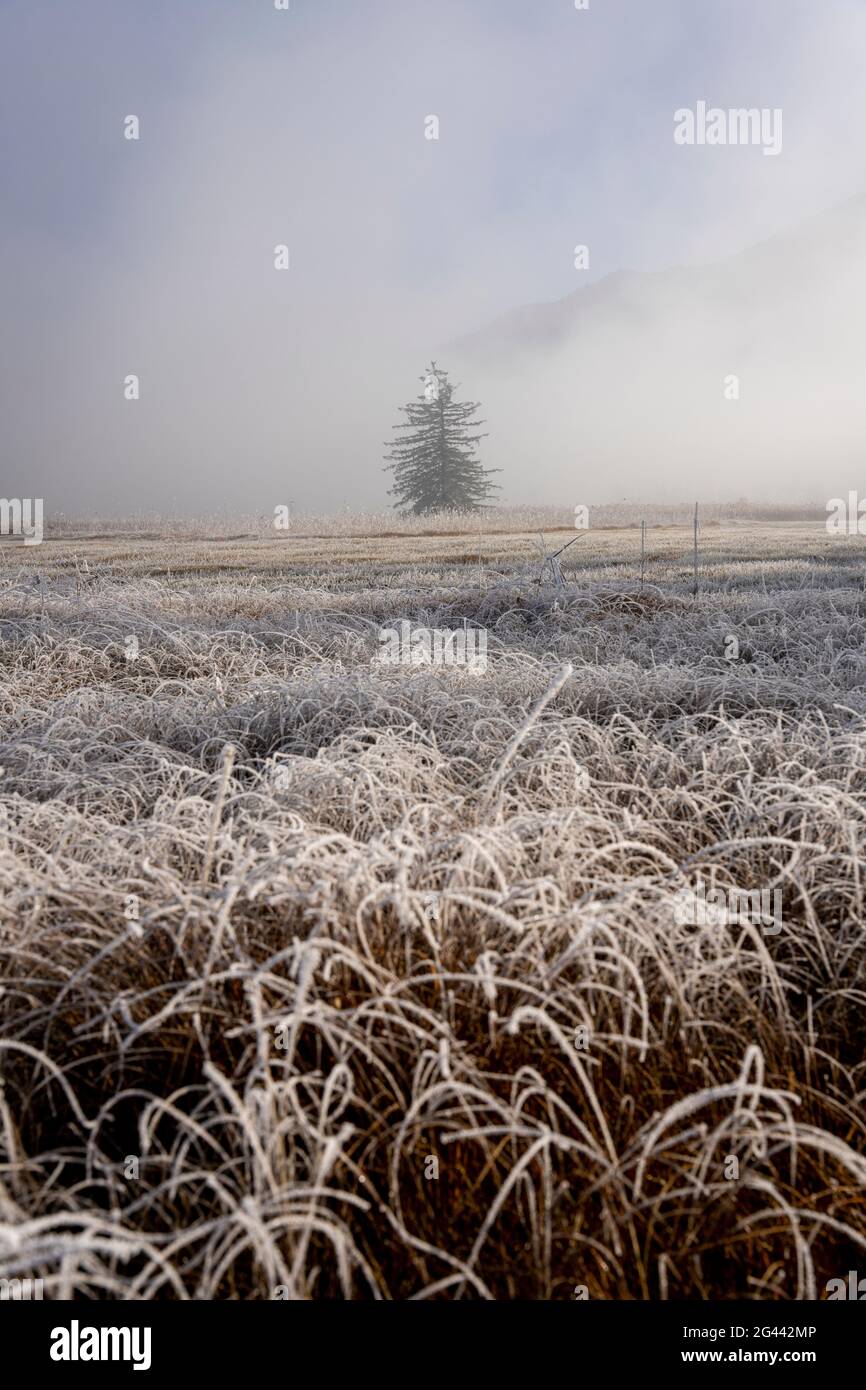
435	465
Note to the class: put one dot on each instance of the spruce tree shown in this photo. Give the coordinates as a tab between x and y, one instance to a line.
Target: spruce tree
435	465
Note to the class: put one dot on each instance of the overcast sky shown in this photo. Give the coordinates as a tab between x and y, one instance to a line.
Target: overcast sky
260	127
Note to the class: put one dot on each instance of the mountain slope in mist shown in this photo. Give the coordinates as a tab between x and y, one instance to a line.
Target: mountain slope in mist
627	385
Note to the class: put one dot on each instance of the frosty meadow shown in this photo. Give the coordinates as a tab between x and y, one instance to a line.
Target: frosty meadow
329	977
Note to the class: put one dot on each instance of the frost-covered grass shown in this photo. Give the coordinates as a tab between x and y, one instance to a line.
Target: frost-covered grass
338	1051
496	519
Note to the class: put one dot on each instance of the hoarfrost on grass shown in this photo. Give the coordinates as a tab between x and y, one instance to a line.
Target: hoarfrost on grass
371	936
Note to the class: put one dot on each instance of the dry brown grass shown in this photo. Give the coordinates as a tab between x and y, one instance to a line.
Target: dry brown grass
368	939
